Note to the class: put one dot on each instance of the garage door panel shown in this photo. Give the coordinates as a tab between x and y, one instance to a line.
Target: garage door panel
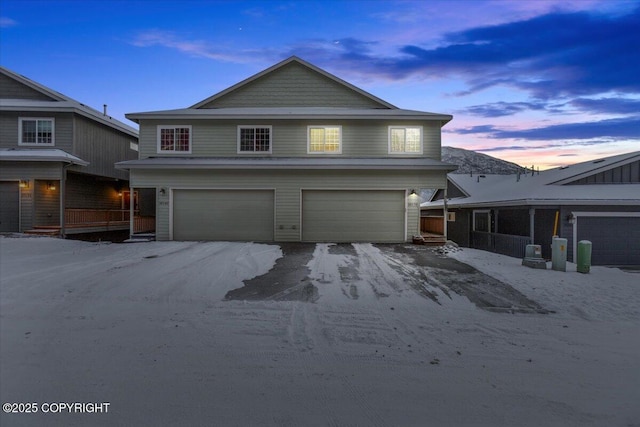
615	240
350	216
242	215
9	206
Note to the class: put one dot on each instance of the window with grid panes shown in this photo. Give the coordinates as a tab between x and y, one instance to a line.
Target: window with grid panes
254	139
325	139
405	140
174	139
36	131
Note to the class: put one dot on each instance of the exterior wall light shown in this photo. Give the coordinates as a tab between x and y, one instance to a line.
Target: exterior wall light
571	219
24	183
413	192
163	191
51	186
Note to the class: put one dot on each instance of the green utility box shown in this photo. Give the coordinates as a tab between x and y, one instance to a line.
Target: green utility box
584	256
559	254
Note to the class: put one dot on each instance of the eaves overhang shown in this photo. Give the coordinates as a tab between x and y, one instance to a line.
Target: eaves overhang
289	114
40	155
451	204
286	163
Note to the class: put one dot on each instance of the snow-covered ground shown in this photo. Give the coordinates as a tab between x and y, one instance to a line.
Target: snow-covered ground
146	327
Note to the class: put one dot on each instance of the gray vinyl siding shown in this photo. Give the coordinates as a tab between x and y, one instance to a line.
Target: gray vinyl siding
293	85
63	125
87	192
47	204
625	174
26	207
360	138
11	89
30	170
288	185
102	147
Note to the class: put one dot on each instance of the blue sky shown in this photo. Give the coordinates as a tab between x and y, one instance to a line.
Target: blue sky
535	82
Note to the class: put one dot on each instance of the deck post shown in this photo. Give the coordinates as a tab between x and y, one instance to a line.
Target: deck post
131	211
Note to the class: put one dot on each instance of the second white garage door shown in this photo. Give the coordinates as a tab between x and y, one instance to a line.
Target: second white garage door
243	215
353	216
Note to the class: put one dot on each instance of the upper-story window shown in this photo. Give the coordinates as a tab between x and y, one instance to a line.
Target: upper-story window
405	140
324	139
174	139
36	131
254	139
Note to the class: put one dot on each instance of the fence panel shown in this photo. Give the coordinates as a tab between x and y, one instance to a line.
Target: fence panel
504	244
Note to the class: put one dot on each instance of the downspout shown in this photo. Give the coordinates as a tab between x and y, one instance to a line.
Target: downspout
532	223
63	199
446	214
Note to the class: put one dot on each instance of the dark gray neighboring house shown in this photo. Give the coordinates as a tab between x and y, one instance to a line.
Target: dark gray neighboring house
57	156
597	200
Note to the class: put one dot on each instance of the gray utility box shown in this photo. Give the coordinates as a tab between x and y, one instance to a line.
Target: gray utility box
559	254
584	256
533	257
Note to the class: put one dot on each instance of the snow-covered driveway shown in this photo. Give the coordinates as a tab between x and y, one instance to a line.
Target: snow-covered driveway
167	334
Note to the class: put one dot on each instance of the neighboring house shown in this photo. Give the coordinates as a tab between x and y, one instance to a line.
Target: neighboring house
290	154
57	157
598	200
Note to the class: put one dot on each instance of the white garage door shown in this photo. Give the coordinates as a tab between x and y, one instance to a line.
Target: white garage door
242	215
9	206
353	216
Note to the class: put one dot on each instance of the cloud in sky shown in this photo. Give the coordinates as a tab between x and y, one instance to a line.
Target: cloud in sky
548	56
556	54
618	128
607	105
7	22
193	47
500	109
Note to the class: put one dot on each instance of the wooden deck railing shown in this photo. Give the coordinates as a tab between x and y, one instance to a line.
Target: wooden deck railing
144	224
88	218
94	216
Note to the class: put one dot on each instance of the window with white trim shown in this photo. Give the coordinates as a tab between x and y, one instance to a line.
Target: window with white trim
405	139
254	139
174	139
324	139
36	131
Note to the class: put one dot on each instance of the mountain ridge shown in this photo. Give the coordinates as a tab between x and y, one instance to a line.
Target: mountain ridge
469	161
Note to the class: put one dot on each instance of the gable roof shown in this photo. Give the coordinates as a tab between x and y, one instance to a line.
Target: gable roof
59	103
545	188
282	64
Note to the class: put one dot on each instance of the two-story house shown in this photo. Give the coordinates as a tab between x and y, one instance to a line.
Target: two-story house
57	156
292	153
